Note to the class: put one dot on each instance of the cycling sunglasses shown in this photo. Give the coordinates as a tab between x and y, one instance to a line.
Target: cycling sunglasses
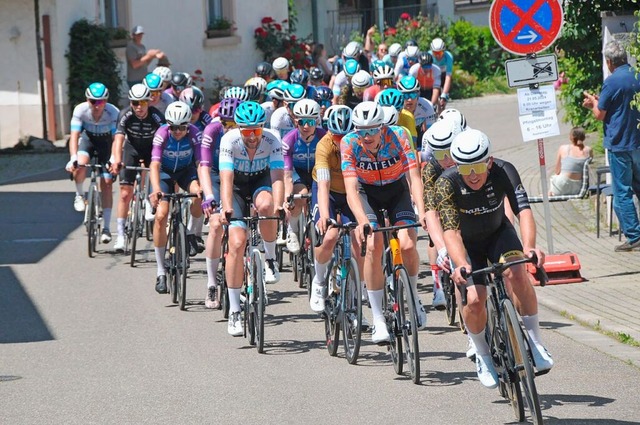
247	132
97	101
440	155
182	127
386	82
228	123
364	132
412	95
139	102
467	169
307	121
325	103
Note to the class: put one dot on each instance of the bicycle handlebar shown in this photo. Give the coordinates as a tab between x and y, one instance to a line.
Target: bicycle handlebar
175	196
294	196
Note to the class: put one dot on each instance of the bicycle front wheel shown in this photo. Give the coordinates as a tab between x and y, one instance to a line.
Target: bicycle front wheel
408	322
136	225
171	263
522	364
92	223
331	312
393	326
182	265
259	298
449	290
223	293
352	313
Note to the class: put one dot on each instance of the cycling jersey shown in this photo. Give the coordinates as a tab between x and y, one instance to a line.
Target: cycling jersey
103	129
299	155
210	148
408	121
428	78
164	101
281	121
139	132
479	213
203	120
371	92
445	63
175	155
268	110
172	94
328	158
340	81
402	66
389	164
430	173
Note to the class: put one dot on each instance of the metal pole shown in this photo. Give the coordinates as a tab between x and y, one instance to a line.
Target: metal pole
380	16
545	196
43	102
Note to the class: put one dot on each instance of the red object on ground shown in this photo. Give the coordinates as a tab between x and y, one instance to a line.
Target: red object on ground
561	268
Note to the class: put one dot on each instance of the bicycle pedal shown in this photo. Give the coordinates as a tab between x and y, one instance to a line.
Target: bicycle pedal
542	372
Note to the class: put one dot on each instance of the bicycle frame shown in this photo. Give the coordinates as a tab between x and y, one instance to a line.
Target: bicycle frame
93	210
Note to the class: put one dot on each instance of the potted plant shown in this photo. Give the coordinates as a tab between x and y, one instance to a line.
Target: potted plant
220	27
119	37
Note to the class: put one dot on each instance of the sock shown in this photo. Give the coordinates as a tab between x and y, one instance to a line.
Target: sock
160	250
532	325
106	218
435	274
414	288
120	224
269	250
479	341
194	226
80	188
212	271
234	300
375	299
321	271
294	224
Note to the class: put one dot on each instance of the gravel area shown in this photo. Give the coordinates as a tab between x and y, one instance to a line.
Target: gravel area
17	165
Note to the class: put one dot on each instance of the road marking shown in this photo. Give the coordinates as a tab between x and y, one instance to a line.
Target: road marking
34	240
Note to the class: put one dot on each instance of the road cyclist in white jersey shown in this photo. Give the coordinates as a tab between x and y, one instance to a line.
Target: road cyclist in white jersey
159	99
282	119
251	167
93	125
275	92
421	108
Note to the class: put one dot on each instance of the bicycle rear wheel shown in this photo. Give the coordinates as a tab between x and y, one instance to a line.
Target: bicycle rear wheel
449	290
259	300
171	264
182	265
395	340
310	243
223	293
331	312
352	314
408	316
92	225
135	226
282	229
249	312
522	363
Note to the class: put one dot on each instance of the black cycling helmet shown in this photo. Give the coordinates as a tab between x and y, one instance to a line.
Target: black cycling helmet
264	69
179	80
425	58
316	74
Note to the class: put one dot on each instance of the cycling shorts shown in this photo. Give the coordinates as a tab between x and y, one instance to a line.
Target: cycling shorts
131	158
394	197
96	145
244	195
337	203
182	178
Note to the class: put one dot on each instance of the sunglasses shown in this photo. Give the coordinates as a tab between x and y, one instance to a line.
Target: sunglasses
248	132
364	132
382	50
182	127
440	155
359	90
139	102
386	82
325	103
307	121
467	169
228	124
412	95
97	101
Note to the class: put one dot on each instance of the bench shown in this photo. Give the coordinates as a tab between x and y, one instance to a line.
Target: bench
584	189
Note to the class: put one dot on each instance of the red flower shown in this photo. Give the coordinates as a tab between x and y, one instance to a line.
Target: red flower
284	21
267	20
260	31
405	16
278	27
198	72
415	24
293	38
390	31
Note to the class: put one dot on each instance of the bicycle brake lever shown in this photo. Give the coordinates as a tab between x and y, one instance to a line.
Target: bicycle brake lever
363	247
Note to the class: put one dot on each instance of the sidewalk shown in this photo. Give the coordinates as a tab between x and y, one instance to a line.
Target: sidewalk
609	298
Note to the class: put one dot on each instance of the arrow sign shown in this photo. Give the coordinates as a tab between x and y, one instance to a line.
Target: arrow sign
531	36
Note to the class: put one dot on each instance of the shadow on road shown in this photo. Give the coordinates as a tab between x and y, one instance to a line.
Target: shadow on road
576	421
60	174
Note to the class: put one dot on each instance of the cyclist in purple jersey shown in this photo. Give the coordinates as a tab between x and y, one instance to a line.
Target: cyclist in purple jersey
174	158
298	151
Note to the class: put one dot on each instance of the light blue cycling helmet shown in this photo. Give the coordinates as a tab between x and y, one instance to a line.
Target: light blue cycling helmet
250	114
276	88
338	119
408	84
152	81
351	66
390	97
294	93
97	91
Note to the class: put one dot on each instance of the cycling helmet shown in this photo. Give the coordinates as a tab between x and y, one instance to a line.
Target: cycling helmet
367	114
264	69
250	114
382	72
189	79
97	91
307	108
425	59
193	97
390	97
276	89
375	64
227	108
139	92
391	115
361	79
236	92
280	64
178	113
455	116
437	45
470	147
338	119
395	49
316	74
351	66
412	53
152	81
410	42
440	135
164	73
323	93
299	76
255	88
352	50
294	93
408	84
180	80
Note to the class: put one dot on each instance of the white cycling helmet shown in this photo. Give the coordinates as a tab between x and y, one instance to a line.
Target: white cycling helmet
139	92
382	72
391	115
395	49
412	53
338	118
258	82
361	79
164	73
235	93
470	147
178	113
307	108
437	45
455	116
367	114
352	50
280	64
440	135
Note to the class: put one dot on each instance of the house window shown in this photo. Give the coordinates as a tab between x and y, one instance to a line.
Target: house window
220	9
115	14
460	4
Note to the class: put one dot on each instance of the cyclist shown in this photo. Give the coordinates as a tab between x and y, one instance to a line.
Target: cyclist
174	157
351	66
299	151
251	165
470	201
353	92
282	119
256	88
382	78
93	125
392	57
443	59
275	90
395	98
281	68
316	77
165	75
421	108
381	172
137	124
428	77
179	82
159	99
406	60
264	70
209	174
323	97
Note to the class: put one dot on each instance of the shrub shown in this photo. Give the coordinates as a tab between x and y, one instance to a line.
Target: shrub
275	39
464	85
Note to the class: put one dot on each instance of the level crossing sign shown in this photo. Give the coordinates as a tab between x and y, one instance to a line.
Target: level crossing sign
523	27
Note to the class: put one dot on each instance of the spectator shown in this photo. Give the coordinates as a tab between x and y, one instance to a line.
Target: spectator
562	79
621	138
138	58
320	60
570	160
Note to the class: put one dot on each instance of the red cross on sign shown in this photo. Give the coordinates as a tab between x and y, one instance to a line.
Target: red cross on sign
525	26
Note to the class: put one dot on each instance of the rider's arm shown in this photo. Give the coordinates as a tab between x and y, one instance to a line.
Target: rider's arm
353	199
527	229
73	143
450	218
447	79
435	94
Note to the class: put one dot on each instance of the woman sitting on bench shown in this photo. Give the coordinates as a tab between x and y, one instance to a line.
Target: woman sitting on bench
570	160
